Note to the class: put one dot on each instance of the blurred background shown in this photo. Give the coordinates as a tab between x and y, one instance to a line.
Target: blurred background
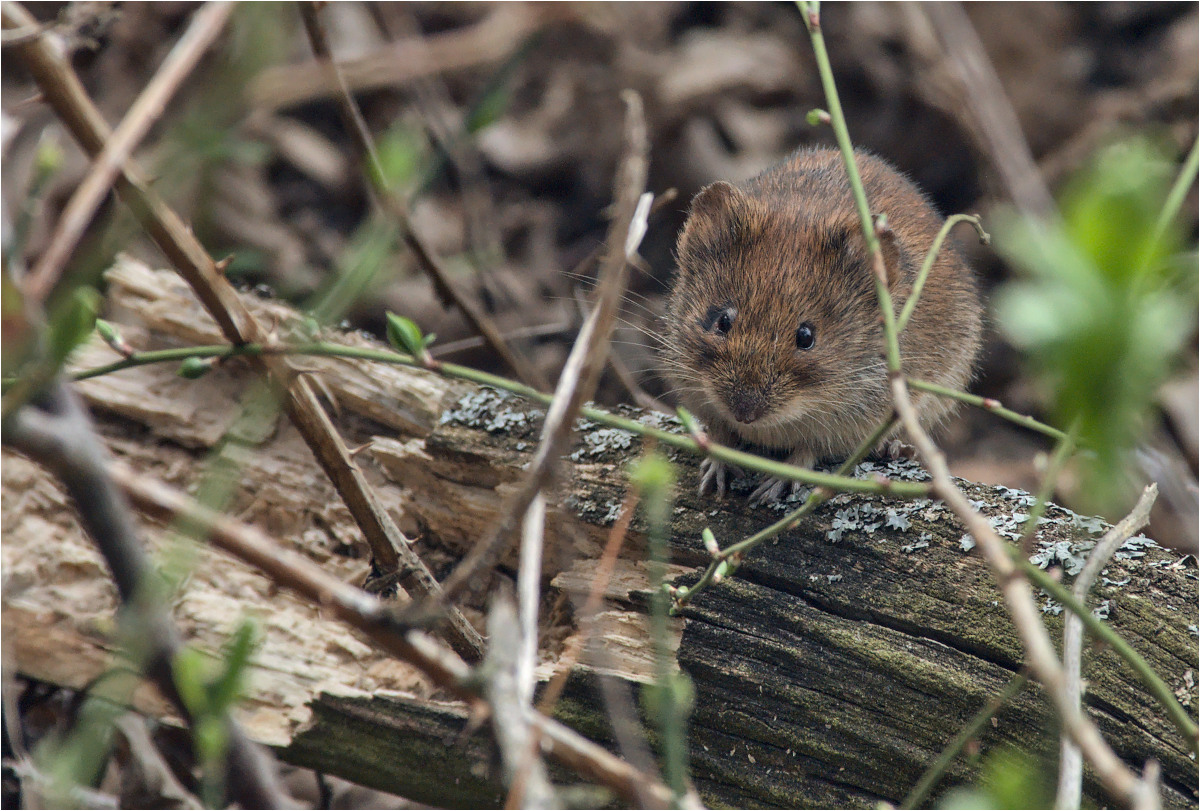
502	123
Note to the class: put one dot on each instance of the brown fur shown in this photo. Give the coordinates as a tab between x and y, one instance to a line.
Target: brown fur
786	248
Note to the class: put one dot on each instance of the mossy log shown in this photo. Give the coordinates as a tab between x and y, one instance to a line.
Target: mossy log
829	671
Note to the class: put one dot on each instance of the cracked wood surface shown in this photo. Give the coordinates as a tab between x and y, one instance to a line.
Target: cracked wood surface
829	671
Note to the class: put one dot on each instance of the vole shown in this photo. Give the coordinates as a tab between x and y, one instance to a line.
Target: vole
774	336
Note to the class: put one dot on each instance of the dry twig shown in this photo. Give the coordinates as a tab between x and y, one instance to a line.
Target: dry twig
206	25
1070	764
1018	597
994	121
489	40
374	619
587	357
397	210
57	434
391	551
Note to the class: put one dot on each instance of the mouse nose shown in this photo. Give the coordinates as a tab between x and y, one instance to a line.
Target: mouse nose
747	406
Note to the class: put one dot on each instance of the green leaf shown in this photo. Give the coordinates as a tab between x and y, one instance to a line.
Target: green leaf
653	474
1110	209
190	670
1100	311
490	108
227	687
107	331
689	422
404	334
402	151
73	323
49	157
1010	779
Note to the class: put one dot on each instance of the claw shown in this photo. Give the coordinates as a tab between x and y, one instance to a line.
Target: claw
771	490
717	473
896	450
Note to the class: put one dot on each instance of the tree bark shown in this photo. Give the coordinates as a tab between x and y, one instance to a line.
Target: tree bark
829	671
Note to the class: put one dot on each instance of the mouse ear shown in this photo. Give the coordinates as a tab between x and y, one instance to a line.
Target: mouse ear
713	217
894	257
714	199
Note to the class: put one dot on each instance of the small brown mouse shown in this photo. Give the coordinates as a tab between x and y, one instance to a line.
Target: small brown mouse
774	337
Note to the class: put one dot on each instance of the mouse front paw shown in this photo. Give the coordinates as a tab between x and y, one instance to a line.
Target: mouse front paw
717	474
772	489
895	450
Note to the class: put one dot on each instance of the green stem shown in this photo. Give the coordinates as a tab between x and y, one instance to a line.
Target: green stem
811	12
1064	449
968	733
815	499
1174	201
1100	630
669	712
931	257
988	404
166	356
770	467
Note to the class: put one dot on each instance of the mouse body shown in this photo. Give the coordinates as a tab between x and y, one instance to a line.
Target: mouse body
774	338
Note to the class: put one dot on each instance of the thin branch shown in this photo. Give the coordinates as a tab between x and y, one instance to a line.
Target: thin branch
682	596
1103	632
397	209
988	404
204	28
527	781
1070	763
442	350
1018	597
511	708
919	284
390	549
744	459
812	21
591	607
586	360
917	796
624	376
490	40
1054	466
633	750
63	91
57	434
1039	651
996	125
375	620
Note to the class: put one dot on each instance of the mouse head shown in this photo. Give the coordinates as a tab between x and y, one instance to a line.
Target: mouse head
773	315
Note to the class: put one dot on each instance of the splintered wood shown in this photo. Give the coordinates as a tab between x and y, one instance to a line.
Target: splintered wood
829	671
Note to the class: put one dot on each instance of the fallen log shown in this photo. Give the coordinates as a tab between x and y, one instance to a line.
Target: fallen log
829	672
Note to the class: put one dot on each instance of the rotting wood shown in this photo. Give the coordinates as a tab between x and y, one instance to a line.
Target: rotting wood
826	673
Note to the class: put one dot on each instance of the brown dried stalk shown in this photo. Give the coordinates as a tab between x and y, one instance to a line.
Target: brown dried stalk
391	551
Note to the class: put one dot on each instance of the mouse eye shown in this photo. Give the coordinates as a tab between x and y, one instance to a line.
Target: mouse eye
806	336
719	319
